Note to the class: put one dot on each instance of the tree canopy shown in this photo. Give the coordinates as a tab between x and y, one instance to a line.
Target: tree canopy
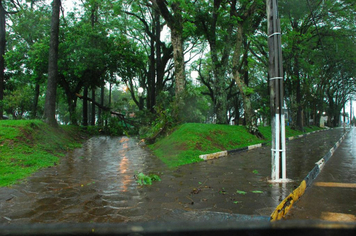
146	50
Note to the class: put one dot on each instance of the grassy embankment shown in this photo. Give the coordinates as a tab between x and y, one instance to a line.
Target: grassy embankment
189	141
29	145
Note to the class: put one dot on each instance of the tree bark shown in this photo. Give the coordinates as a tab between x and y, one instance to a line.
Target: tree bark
2	53
50	104
151	80
92	108
250	118
299	122
35	100
100	113
175	23
178	56
85	106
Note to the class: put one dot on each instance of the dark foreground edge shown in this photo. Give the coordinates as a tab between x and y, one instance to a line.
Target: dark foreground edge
289	228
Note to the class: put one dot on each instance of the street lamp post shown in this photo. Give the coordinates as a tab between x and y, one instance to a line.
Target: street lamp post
140	93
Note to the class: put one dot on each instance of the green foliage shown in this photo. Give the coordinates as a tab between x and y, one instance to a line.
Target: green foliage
248	90
143	179
115	127
163	121
241	192
102	43
195	107
18	103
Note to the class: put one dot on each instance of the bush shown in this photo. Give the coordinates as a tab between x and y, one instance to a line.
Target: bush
114	127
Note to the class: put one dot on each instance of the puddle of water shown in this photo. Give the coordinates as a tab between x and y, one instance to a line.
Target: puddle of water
96	184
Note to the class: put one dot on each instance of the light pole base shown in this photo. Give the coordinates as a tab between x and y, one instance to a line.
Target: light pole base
278	181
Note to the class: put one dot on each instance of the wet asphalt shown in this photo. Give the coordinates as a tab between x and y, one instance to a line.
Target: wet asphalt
96	184
333	194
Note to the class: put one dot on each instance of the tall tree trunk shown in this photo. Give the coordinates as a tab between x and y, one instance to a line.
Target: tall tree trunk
2	60
250	117
299	104
92	108
220	96
296	74
178	56
72	104
175	23
159	65
35	100
85	106
106	119
151	99
50	104
100	112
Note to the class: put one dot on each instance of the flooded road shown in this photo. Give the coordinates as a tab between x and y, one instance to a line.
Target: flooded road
96	184
92	184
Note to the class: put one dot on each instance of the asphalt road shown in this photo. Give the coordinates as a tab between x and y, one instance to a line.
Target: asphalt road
96	184
333	194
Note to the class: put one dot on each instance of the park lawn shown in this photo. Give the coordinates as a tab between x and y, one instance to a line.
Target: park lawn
188	141
29	145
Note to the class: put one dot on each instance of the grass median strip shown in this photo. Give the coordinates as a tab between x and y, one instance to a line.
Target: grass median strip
188	141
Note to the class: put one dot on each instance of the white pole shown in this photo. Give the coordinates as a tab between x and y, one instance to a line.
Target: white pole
283	148
276	156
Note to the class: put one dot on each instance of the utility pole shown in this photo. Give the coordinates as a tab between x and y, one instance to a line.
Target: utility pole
275	72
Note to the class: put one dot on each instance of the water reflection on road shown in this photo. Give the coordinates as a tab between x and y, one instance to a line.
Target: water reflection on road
96	183
92	184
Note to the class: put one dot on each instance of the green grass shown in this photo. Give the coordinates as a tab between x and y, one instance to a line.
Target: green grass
29	145
190	140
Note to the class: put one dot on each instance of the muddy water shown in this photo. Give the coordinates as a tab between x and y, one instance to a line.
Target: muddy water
96	184
93	184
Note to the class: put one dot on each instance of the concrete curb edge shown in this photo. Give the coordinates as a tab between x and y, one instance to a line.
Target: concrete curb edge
227	152
283	208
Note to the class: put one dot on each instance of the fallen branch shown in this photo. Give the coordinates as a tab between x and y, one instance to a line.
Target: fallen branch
121	116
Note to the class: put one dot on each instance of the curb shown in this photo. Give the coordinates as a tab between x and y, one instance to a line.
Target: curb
216	155
283	208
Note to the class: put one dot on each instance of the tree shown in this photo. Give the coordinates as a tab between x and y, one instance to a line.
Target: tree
248	16
3	13
2	53
27	55
220	48
50	105
310	32
226	26
174	19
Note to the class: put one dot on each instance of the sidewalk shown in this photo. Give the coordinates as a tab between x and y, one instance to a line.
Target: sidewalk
332	196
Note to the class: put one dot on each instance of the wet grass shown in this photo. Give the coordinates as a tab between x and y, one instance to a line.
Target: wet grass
29	145
190	140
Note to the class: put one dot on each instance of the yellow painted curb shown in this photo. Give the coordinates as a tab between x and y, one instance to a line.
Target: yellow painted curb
283	208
